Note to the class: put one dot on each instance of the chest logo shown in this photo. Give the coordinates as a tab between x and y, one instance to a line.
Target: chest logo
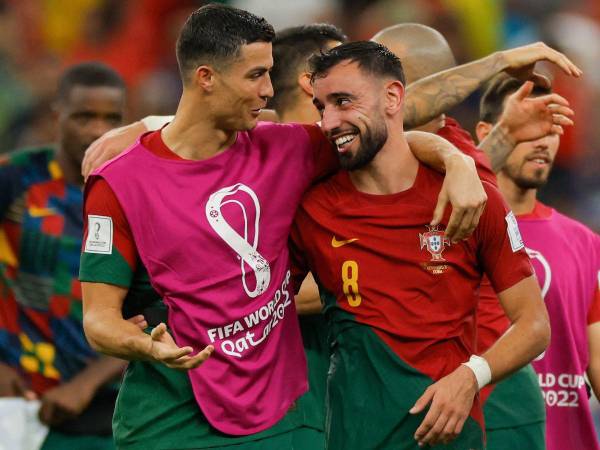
336	244
246	249
434	241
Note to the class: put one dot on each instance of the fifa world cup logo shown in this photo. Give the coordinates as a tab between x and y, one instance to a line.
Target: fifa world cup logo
247	252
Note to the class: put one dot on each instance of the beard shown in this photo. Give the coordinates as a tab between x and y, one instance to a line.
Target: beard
371	141
538	179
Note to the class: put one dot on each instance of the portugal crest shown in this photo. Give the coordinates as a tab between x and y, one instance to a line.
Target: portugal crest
434	240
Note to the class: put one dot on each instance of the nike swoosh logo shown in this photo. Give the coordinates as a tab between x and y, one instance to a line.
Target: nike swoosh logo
335	243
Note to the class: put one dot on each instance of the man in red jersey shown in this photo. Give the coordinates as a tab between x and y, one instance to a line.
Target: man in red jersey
425	51
400	297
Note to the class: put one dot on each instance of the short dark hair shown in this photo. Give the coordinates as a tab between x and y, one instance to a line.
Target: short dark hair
291	49
88	74
214	34
372	57
500	87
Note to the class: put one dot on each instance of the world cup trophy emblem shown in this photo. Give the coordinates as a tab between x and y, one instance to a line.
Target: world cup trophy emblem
434	240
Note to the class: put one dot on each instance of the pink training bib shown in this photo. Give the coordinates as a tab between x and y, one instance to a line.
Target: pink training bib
213	236
566	258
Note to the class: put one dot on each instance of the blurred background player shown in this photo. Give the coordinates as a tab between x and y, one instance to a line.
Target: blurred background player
424	51
400	312
566	258
43	351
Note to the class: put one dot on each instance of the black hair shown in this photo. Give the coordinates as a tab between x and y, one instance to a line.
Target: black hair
88	74
500	87
214	34
291	49
372	57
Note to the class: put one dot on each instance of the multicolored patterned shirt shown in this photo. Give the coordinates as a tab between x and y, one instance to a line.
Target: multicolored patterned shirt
41	333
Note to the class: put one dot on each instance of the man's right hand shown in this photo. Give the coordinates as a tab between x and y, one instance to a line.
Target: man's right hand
164	349
12	385
529	118
109	145
519	62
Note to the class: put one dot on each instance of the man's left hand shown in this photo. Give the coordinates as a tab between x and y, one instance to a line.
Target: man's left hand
64	402
462	188
451	399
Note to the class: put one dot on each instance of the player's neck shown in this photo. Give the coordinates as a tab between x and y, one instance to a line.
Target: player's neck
521	201
301	112
393	170
193	134
71	170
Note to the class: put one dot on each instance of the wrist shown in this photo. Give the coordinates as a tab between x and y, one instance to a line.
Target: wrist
458	161
505	132
480	369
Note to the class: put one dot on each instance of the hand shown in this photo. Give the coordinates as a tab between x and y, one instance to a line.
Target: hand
164	349
463	189
529	118
65	402
451	400
519	62
109	145
12	385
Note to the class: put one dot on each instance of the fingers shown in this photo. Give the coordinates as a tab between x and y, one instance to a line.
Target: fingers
454	223
553	99
440	207
428	424
139	321
467	225
434	435
563	62
158	331
422	401
524	91
563	121
191	362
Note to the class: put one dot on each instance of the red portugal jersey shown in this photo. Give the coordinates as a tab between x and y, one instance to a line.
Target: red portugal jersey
379	264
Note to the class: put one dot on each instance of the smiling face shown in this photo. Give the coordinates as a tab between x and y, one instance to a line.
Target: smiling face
530	163
352	113
243	87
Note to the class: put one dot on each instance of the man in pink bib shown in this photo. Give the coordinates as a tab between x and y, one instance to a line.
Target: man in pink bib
566	258
198	214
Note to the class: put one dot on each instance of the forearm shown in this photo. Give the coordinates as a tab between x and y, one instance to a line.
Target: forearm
498	145
104	326
526	339
435	151
431	96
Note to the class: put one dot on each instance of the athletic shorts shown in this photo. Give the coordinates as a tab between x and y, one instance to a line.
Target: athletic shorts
369	393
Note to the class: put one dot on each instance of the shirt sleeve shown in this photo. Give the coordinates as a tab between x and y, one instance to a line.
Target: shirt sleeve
594	312
114	260
500	248
324	154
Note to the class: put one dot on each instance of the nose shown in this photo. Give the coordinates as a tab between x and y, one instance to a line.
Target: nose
266	90
330	120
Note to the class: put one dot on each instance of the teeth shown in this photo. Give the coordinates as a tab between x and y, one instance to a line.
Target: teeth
344	139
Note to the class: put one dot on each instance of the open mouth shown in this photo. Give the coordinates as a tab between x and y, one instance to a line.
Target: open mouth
343	142
539	160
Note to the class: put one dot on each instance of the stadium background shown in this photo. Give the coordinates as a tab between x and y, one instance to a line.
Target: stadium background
38	38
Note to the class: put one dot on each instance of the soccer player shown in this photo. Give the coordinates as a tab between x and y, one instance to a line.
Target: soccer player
399	296
424	51
566	258
43	350
190	226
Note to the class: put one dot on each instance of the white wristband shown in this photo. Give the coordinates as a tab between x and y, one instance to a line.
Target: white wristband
481	369
153	123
